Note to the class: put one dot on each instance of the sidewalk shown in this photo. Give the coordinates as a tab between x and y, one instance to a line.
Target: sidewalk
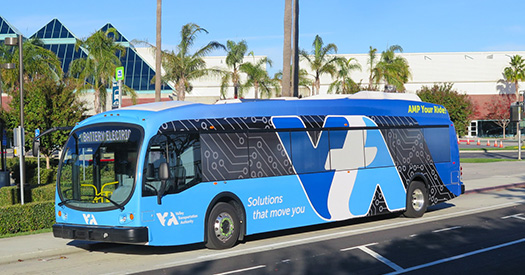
477	177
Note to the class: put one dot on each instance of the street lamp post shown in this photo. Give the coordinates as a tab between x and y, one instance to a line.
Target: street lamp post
13	41
7	66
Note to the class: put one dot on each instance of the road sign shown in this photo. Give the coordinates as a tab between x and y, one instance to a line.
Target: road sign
37	133
119	73
115	96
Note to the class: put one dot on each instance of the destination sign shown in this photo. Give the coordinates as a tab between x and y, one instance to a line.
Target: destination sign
105	136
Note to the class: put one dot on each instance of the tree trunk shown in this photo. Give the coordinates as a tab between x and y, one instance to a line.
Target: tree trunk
158	56
256	88
287	48
295	71
96	102
517	90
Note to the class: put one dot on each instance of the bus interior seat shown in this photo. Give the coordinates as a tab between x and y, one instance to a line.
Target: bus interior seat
150	171
180	176
123	189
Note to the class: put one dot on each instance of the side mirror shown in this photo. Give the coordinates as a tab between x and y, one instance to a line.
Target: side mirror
36	147
164	175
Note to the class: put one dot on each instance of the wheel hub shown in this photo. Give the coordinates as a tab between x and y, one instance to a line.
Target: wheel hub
418	199
224	227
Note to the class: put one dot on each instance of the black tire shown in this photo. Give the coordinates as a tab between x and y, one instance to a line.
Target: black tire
223	226
417	200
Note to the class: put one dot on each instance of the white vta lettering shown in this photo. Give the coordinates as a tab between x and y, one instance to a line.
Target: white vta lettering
90	219
162	218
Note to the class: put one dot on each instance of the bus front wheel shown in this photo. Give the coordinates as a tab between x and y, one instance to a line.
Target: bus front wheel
417	200
223	226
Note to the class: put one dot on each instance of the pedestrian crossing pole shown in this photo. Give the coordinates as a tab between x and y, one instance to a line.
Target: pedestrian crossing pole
119	76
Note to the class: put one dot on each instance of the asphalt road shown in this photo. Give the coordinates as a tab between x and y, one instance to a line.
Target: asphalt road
475	233
486	242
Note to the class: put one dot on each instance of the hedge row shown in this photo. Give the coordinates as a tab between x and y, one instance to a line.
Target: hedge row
27	217
46	175
10	195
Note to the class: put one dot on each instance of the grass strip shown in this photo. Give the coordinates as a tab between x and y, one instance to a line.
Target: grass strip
483	160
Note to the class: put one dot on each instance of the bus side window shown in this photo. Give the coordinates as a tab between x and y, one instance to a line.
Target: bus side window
351	155
310	152
182	152
186	171
224	156
267	156
438	143
151	179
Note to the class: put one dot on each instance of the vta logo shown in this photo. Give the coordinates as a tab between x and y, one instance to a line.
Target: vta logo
90	219
172	220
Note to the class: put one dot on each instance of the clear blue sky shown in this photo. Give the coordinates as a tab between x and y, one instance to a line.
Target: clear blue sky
417	26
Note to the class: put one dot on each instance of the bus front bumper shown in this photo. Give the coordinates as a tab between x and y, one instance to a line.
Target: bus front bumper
112	234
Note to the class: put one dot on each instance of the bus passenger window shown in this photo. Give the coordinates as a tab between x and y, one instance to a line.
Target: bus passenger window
182	153
310	151
438	143
268	157
347	149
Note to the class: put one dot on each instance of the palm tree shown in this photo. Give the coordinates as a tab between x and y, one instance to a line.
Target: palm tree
372	69
287	47
182	67
515	72
344	84
304	79
38	62
393	69
97	70
258	77
234	59
321	61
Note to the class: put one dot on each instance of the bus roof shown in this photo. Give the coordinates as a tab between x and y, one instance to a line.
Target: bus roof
363	103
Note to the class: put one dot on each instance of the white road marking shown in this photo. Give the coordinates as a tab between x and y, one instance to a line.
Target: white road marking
374	254
516	216
446	229
242	251
457	257
329	236
356	247
380	258
241	270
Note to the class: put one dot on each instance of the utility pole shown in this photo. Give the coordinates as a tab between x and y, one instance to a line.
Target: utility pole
295	70
158	54
12	41
287	48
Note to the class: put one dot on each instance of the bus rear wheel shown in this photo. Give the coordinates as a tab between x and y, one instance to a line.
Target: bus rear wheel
417	200
223	226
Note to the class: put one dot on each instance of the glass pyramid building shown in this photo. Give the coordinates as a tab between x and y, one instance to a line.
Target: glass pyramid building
138	74
7	30
57	38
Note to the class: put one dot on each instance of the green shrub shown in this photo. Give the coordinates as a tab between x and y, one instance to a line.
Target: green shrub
10	195
27	217
46	175
43	193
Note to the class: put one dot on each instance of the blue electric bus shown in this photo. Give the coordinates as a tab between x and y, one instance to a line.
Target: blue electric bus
174	173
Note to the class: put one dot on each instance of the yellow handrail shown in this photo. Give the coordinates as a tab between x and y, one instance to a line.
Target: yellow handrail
97	198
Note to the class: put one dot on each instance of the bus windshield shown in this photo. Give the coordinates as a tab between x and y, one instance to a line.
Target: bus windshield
98	167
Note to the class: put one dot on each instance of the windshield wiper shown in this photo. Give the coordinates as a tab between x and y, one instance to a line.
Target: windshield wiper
110	200
64	202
